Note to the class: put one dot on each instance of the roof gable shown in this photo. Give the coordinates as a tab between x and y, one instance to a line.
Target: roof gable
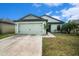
52	19
31	17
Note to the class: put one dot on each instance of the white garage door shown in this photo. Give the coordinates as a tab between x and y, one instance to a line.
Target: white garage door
31	28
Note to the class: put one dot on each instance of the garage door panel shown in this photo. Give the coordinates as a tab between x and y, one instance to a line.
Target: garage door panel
31	28
23	28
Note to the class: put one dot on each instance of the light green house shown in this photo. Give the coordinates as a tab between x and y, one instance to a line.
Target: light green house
30	24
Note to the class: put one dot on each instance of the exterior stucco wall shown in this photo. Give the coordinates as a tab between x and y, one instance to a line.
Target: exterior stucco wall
54	27
17	25
7	28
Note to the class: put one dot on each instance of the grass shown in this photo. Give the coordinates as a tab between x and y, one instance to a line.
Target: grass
5	35
62	45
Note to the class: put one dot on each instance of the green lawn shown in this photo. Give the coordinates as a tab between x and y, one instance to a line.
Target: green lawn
62	45
5	35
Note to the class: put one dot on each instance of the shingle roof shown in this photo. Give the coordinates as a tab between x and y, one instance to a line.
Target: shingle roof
54	19
6	21
37	18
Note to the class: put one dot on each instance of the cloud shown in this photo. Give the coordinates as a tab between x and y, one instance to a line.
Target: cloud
71	13
57	17
53	4
49	13
75	4
48	4
37	4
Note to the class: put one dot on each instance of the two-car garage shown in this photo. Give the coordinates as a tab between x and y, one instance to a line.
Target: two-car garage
31	24
31	28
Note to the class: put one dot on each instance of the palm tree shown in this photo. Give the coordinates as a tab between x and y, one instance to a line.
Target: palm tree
68	27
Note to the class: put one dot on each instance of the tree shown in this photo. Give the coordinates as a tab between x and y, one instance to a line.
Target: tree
67	27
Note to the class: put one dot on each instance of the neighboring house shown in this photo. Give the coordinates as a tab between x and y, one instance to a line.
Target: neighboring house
53	23
6	26
76	22
30	24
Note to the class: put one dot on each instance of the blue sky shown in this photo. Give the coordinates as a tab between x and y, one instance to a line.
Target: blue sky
15	11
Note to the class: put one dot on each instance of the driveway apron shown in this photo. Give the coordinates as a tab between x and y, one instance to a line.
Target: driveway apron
21	45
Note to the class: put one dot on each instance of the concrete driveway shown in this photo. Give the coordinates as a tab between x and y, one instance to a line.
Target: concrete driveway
21	45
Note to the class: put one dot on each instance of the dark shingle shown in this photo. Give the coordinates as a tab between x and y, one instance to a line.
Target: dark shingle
37	18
